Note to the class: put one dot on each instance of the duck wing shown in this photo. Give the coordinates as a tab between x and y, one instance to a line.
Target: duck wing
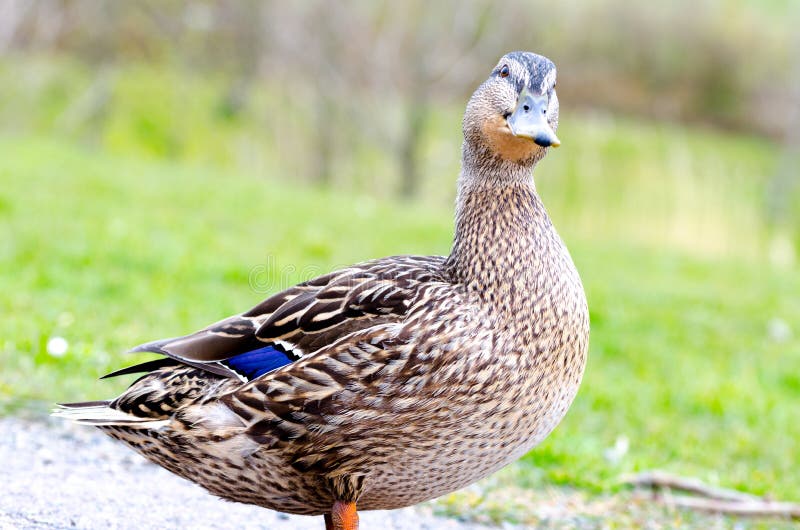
298	321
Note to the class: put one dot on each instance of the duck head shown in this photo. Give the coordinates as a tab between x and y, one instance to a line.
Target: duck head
513	115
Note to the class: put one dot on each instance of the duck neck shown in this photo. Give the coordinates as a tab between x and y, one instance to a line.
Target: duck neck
501	227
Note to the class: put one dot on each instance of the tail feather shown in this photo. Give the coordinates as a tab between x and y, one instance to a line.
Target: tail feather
83	404
148	366
99	413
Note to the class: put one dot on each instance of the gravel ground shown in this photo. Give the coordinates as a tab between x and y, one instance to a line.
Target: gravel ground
55	475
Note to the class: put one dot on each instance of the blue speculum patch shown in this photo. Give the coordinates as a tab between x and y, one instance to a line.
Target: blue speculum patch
258	362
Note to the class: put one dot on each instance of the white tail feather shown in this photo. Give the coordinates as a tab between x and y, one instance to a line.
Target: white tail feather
100	415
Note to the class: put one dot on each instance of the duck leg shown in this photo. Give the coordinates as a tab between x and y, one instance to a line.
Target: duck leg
343	516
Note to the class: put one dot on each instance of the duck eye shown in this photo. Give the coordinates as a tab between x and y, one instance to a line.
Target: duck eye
504	71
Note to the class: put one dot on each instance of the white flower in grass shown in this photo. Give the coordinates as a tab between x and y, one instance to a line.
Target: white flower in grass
57	346
616	453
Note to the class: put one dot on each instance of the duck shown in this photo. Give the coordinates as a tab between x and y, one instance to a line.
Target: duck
393	381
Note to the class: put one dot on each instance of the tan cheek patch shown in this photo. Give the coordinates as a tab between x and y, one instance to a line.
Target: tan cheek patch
504	143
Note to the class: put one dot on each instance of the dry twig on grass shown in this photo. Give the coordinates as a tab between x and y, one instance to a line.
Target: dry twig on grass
709	498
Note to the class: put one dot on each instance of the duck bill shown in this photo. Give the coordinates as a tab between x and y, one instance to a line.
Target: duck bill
530	121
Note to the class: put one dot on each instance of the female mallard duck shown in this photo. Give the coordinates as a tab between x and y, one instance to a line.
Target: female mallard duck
396	380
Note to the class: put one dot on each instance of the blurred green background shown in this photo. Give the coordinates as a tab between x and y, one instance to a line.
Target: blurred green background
164	164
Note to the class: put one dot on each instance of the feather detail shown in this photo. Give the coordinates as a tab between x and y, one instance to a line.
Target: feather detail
301	319
99	413
144	367
255	363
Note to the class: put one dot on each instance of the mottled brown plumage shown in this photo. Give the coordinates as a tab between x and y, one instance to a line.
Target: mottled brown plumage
408	377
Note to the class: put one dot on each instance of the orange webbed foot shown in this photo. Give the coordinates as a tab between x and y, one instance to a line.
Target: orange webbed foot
343	516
